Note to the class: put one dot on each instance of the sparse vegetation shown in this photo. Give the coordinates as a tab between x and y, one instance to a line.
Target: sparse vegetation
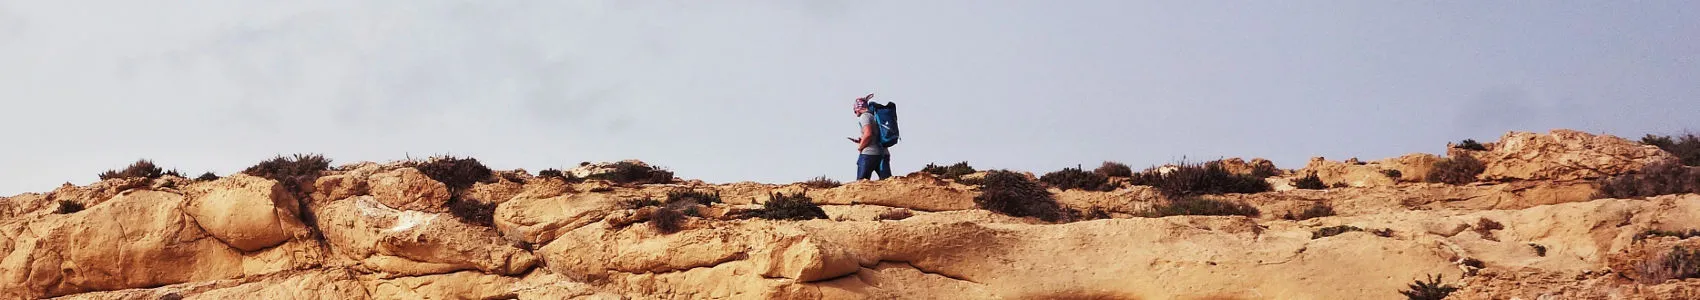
639	203
1333	231
1456	170
1310	182
1114	169
1076	178
1394	174
457	173
1681	235
1384	232
1470	144
1661	178
693	197
1431	290
1264	170
627	172
1686	147
1200	179
208	176
472	211
822	183
667	220
1678	263
1200	206
1474	263
896	214
1485	228
1013	194
290	169
601	189
789	207
140	169
1316	210
953	172
563	176
1540	250
68	207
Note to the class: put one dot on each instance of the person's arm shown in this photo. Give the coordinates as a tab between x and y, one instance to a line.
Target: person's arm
867	135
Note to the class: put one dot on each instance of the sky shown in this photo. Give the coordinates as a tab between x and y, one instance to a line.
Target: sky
761	90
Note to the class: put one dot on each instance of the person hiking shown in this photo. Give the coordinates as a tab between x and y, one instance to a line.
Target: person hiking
872	156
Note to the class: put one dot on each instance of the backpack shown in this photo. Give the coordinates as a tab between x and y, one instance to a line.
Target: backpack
886	116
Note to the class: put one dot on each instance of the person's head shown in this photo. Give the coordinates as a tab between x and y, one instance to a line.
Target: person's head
861	106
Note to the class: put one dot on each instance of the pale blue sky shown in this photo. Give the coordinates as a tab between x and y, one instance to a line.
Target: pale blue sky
760	90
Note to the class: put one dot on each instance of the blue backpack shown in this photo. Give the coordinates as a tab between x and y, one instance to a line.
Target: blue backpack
886	116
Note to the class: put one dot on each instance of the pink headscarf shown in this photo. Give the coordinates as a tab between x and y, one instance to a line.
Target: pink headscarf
861	105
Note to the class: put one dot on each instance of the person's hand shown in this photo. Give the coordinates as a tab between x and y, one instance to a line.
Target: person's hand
855	140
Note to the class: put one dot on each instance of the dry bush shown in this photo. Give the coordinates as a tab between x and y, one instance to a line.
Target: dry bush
1013	194
1431	290
457	173
1316	210
1264	171
1470	144
472	211
1200	206
1114	169
626	172
208	176
667	220
822	183
1485	228
1662	178
1333	231
1394	174
1076	178
1456	170
1200	179
140	169
953	172
1686	147
693	197
1681	235
1310	182
1678	263
68	207
638	203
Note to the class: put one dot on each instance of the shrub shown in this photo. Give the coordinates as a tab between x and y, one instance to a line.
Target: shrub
1200	179
457	173
1431	290
563	176
1485	228
1384	232
1395	174
789	207
822	183
601	189
1662	178
1075	178
626	172
68	207
1200	206
1114	169
896	214
693	196
1456	170
1678	263
285	169
513	176
954	172
1540	250
140	169
667	220
639	203
1681	235
1264	170
471	211
1470	144
208	176
1013	194
1686	147
1333	231
1310	182
1316	210
1474	263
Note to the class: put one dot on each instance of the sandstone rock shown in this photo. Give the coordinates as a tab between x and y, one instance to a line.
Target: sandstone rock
1564	155
539	221
245	212
408	189
1356	175
917	191
1240	166
1412	167
412	243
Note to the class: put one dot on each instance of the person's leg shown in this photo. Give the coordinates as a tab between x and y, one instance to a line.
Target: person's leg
885	166
865	166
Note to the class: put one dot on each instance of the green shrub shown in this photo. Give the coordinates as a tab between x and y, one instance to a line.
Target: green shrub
1114	169
1310	182
140	169
457	173
1200	206
472	211
1333	231
1394	174
208	176
1200	179
1470	144
789	207
693	196
1012	194
1431	290
68	207
1456	170
1075	178
1685	147
626	172
953	172
1661	178
1316	210
822	183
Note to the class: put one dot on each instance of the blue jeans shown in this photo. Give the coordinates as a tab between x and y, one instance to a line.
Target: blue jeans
866	165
